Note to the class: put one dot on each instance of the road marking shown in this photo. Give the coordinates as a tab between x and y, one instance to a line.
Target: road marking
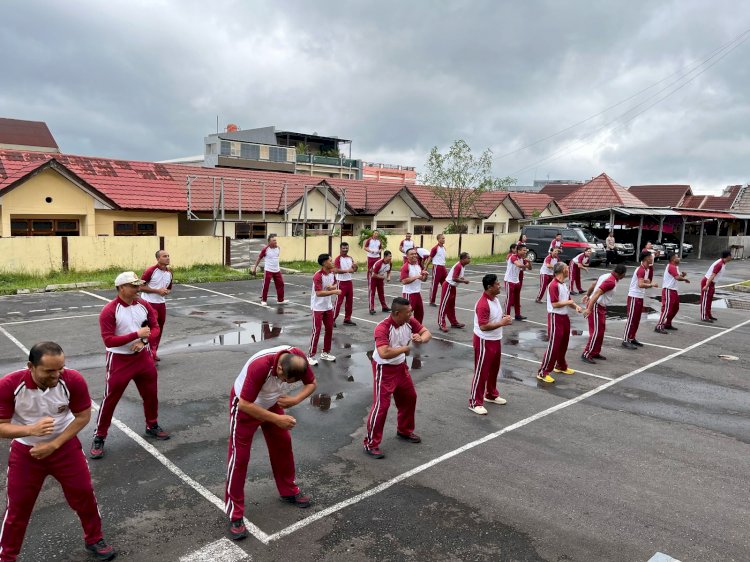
38	310
421	468
222	550
225	295
20	313
101	298
661	557
154	452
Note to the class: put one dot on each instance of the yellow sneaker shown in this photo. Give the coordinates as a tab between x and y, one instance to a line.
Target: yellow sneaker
567	371
545	378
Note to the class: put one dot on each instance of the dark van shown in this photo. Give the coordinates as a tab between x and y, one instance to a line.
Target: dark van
574	240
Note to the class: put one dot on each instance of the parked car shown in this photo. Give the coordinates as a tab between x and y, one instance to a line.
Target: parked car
575	241
672	244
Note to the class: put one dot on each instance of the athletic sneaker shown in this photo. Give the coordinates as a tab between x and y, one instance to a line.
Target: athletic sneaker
411	437
237	530
299	499
263	303
156	432
636	342
519	317
97	447
312	361
349	323
481	410
660	330
101	550
587	360
459	325
670	328
496	400
545	378
372	312
386	309
285	301
374	453
599	356
628	345
433	304
567	371
327	357
443	329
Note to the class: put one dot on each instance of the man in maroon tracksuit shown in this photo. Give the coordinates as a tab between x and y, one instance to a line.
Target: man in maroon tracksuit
515	265
271	270
715	272
344	266
643	278
598	296
412	275
259	396
393	337
128	324
323	288
579	262
448	295
558	325
546	272
372	246
158	284
381	273
670	298
439	272
42	409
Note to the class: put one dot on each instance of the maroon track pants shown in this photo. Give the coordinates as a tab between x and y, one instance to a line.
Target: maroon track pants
634	308
486	369
121	369
707	298
415	300
321	319
597	325
376	285
575	277
670	305
25	478
512	297
544	281
447	305
161	318
390	380
439	274
242	427
346	298
558	332
278	281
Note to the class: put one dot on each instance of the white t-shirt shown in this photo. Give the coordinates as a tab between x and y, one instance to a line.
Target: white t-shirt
156	279
455	272
406	245
512	270
608	284
639	273
271	255
372	247
718	268
411	271
670	277
561	292
438	255
344	262
548	265
488	311
320	282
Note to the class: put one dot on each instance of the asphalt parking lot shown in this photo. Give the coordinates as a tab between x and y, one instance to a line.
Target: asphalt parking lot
646	452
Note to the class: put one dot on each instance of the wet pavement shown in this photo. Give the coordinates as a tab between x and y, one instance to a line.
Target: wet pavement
656	462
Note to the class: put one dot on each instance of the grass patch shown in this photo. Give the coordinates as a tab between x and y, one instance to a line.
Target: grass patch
11	282
312	266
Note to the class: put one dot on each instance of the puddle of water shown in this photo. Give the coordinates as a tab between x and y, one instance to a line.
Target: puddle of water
247	332
198	313
687	298
621	312
526	337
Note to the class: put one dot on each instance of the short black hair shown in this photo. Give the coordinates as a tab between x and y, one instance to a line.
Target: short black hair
294	366
399	303
463	255
157	253
513	246
489	280
673	255
644	255
725	254
620	269
271	236
322	258
558	234
411	250
386	253
520	246
344	244
41	349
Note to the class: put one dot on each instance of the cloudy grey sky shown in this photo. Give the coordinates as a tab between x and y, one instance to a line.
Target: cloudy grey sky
146	80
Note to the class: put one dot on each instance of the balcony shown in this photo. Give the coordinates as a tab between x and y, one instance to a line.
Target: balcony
327	161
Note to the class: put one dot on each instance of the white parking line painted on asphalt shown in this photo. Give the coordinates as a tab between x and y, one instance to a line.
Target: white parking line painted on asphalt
661	557
101	298
421	468
154	452
222	550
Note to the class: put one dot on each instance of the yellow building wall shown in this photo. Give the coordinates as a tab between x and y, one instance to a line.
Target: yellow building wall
166	222
28	200
318	209
30	254
395	211
499	216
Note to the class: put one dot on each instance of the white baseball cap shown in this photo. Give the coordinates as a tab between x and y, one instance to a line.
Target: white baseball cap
128	278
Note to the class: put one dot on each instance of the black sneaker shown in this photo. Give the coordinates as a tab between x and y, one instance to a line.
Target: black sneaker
386	309
101	550
714	318
157	432
636	342
519	317
628	345
587	360
372	312
300	500
670	328
707	320
660	330
97	448
597	356
433	304
237	530
350	323
410	437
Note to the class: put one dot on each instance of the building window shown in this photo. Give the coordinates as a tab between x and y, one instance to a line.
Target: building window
489	228
226	148
277	154
135	228
250	151
44	227
347	229
422	229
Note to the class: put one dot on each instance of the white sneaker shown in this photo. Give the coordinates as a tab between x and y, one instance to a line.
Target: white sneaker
312	361
285	301
497	400
481	410
263	303
327	357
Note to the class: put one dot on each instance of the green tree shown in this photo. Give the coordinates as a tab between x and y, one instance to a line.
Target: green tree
458	179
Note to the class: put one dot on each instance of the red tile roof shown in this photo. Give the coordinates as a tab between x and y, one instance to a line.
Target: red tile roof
661	195
26	133
599	193
559	191
366	197
489	201
531	202
711	202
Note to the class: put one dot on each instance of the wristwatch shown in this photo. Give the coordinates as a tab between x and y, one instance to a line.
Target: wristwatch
145	341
